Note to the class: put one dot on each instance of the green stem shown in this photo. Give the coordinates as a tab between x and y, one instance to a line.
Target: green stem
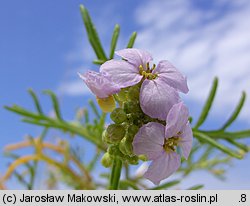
115	174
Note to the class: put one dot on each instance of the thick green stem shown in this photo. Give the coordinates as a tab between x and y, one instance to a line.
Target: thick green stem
115	174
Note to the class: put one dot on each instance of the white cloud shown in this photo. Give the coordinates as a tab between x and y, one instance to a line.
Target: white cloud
202	43
71	84
73	88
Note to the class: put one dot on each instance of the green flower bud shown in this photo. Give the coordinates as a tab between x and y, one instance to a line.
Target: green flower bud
105	137
131	132
122	95
126	146
132	107
118	115
122	146
115	133
134	92
113	150
133	160
129	147
106	160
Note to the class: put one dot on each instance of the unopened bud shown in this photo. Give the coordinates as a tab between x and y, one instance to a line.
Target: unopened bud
132	131
106	160
113	150
105	137
115	133
134	92
118	115
132	107
122	95
126	147
133	160
122	146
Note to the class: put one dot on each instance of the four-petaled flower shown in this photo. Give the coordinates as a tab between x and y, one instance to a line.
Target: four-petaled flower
160	83
159	143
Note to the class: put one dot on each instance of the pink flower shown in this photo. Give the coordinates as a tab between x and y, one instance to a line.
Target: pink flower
159	143
160	83
100	84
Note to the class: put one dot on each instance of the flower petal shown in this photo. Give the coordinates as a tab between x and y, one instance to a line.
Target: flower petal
176	120
149	140
162	167
157	98
186	140
100	84
121	72
136	57
168	73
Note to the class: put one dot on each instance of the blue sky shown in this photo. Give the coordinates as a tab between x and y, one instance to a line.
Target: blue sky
43	45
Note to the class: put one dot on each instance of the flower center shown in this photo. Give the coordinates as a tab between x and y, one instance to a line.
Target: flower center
147	72
171	143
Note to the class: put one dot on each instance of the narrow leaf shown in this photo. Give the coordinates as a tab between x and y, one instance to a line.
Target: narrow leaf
219	146
239	145
21	111
36	102
208	104
86	116
114	41
132	40
236	111
166	185
227	135
55	103
21	179
93	106
92	34
196	187
98	61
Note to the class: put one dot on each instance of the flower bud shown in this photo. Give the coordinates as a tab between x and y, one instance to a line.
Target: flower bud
122	146
126	147
115	133
132	107
118	115
134	92
122	95
106	160
106	137
129	147
113	150
106	104
131	132
133	160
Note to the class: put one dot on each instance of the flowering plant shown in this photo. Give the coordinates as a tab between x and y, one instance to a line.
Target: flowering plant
150	122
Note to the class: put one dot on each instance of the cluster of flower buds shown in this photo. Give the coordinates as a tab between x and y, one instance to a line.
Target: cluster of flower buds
151	121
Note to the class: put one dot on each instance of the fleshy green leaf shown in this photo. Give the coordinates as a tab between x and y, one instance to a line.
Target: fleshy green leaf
94	108
55	103
239	145
196	187
207	139
36	102
92	34
114	41
208	104
236	111
132	40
